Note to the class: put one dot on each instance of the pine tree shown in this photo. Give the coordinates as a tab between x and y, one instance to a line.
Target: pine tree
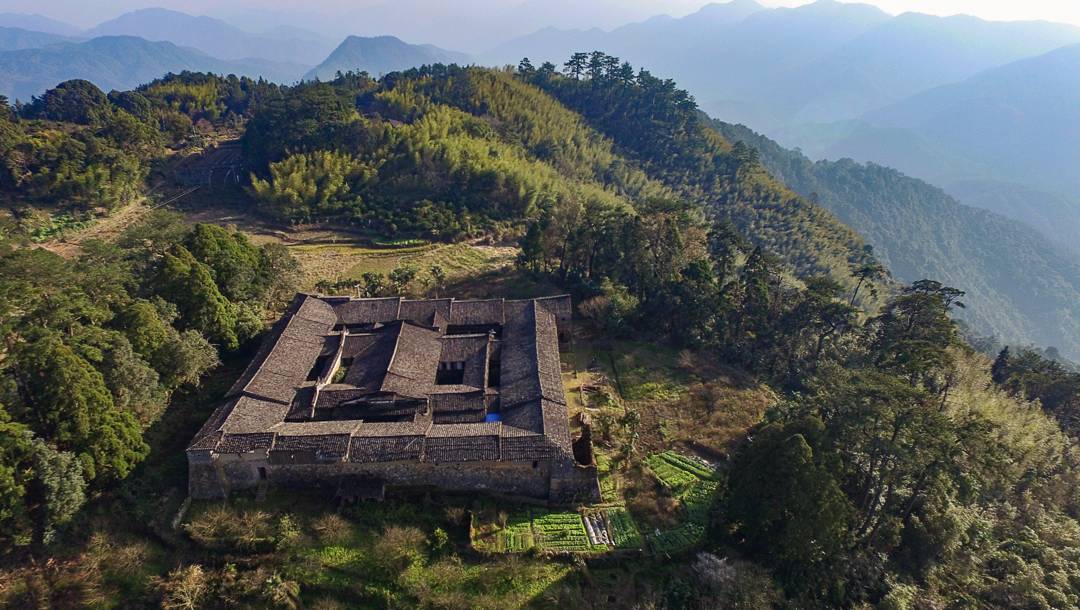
58	489
65	399
15	451
1000	371
190	284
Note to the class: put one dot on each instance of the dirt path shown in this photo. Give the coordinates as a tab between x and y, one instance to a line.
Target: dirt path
107	228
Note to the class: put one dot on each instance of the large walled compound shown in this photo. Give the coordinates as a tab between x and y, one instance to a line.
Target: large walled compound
363	394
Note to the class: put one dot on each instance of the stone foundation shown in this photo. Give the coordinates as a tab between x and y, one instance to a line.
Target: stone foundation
561	483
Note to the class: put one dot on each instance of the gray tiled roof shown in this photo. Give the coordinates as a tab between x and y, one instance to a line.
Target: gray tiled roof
531	447
364	449
443	450
207	442
251	415
289	352
396	359
530	359
314	428
558	306
460	417
325	445
244	443
415	360
393	429
473	351
446	431
427	312
368	311
445	403
469	313
370	354
210	433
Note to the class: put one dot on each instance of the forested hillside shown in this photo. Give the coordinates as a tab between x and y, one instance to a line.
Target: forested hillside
13	39
1020	287
861	454
448	151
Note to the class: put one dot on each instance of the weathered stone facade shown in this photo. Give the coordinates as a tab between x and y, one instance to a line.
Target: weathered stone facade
455	395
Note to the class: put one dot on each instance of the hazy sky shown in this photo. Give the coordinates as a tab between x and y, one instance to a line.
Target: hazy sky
85	13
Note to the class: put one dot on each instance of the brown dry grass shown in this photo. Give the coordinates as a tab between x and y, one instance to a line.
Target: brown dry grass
105	228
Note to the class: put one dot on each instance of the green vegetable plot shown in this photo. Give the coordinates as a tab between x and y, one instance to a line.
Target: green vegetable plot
611	527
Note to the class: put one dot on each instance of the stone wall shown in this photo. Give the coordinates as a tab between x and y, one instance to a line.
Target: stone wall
574	484
214	477
231	472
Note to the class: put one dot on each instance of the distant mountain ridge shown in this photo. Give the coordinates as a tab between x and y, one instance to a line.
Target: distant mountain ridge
1006	139
823	61
117	62
38	23
214	37
380	55
14	39
1020	287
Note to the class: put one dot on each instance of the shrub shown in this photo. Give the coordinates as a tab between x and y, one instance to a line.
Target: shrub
398	547
439	540
332	528
287	532
223	528
185	588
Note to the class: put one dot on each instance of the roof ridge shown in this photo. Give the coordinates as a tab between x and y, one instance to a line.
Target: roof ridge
393	354
536	356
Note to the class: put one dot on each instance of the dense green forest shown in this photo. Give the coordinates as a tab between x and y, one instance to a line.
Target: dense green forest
1020	286
95	346
894	467
447	151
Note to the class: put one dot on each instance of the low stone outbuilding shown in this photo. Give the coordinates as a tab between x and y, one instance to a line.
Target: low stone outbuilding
460	395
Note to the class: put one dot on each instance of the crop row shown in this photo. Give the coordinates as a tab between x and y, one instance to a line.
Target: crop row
623	530
685	536
670	476
557	518
698	499
689	464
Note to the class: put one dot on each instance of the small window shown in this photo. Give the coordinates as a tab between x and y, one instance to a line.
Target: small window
450	373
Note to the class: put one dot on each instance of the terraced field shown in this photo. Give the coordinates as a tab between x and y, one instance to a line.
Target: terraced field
612	526
334	255
694	484
349	261
624	532
528	528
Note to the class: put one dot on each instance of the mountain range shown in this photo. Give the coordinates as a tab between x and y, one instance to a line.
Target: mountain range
823	61
145	44
987	110
117	62
216	37
381	55
14	39
1006	139
1019	287
38	23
